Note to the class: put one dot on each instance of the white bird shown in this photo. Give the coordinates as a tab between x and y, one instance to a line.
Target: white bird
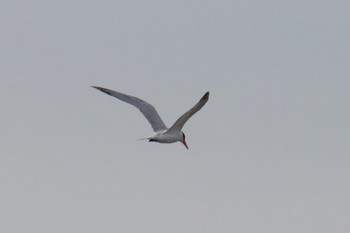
162	134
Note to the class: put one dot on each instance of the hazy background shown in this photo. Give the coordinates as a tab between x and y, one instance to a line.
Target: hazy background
268	153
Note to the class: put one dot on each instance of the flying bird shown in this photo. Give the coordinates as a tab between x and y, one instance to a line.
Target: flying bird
162	134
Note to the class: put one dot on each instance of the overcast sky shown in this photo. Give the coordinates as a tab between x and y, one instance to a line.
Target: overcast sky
269	152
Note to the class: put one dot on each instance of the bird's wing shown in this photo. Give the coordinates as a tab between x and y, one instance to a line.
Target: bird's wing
177	126
147	109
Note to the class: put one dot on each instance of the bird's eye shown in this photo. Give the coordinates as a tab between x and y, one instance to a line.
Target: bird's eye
183	136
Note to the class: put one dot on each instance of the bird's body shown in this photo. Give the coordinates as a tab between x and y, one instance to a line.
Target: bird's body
162	134
165	137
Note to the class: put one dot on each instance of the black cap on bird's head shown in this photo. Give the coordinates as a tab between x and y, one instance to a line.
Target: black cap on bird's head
184	140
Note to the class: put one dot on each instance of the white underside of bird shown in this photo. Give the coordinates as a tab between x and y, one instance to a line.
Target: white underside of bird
162	134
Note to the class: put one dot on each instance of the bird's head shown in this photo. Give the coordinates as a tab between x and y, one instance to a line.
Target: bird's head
184	140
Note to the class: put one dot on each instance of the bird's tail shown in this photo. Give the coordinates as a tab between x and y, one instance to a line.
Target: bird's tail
142	139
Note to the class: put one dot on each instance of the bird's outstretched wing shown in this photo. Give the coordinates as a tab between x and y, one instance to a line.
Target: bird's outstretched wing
177	126
147	109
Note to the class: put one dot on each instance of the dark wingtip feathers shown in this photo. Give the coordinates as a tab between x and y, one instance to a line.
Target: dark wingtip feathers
205	96
102	89
98	88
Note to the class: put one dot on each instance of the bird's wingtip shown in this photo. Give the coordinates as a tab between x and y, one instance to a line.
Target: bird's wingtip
206	95
98	88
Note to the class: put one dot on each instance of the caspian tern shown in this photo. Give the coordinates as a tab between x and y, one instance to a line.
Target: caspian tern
162	134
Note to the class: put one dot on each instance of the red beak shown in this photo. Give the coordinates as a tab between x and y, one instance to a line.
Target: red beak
185	144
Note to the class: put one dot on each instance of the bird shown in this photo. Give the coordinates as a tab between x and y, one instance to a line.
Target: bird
162	134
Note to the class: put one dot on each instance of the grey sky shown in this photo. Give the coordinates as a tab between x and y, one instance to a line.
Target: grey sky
268	153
